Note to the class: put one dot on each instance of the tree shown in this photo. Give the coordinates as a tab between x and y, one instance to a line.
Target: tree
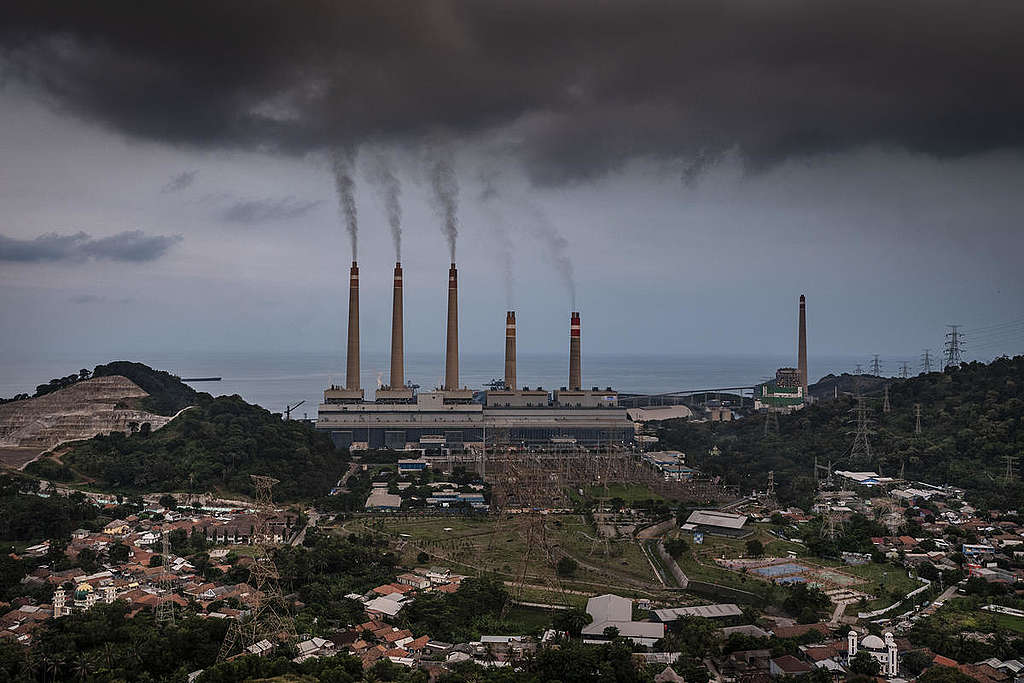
777	519
567	566
610	632
944	674
168	501
676	547
422	558
755	548
118	553
571	620
916	661
863	663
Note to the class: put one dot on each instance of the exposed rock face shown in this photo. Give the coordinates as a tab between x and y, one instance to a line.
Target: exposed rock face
80	411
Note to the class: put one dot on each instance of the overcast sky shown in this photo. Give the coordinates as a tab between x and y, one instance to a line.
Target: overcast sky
170	179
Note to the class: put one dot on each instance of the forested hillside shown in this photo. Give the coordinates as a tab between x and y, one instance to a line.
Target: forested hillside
970	421
167	393
214	446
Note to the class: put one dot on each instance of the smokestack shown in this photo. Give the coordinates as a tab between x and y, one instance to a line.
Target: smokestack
352	368
510	350
397	335
451	364
575	382
802	345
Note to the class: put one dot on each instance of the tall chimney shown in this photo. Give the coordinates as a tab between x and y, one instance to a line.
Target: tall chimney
397	335
451	364
352	368
510	350
575	383
802	345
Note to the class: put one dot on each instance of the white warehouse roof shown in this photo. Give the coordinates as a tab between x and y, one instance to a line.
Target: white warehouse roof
726	520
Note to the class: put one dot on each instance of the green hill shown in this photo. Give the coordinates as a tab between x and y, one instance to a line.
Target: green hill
214	447
167	393
971	419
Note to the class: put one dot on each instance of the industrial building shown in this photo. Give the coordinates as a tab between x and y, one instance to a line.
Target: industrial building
455	418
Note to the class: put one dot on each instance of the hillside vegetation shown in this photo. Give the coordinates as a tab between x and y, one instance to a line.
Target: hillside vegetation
214	446
167	393
971	420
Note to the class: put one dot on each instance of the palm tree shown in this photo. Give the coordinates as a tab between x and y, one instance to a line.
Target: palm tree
82	668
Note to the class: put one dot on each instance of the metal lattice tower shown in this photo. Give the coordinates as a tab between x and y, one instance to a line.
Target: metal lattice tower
926	361
861	449
859	370
886	406
954	346
876	366
829	523
827	482
904	370
268	618
165	607
771	420
769	490
1010	475
917	418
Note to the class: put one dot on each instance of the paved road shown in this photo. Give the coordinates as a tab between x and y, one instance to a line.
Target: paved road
314	517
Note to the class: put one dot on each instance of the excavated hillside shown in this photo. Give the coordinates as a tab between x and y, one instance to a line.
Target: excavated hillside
83	410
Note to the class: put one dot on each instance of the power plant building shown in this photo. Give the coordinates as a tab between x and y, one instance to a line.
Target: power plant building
456	418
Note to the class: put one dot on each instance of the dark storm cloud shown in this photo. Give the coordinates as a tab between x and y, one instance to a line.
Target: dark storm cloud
180	181
266	210
582	86
131	245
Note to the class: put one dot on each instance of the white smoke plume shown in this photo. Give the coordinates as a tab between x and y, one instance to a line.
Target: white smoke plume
343	164
381	174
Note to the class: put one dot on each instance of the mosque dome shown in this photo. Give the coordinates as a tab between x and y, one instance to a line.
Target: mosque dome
873	643
82	591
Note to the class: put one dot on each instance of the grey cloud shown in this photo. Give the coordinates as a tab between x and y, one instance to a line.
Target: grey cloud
601	83
87	299
131	245
180	181
266	210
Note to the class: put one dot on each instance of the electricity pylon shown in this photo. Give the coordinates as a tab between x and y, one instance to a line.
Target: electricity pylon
268	618
917	418
165	607
954	346
886	406
926	361
861	449
876	366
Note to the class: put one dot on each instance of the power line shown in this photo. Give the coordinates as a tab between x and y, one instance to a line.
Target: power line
954	346
876	366
926	361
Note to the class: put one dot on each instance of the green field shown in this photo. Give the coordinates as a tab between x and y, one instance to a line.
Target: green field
500	546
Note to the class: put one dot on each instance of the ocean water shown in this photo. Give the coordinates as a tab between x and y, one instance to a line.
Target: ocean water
274	380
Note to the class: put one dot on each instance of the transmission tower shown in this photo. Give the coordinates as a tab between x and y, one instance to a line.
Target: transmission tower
771	420
917	418
858	370
165	607
876	366
954	346
830	520
905	370
886	406
861	449
926	361
1010	475
827	482
268	618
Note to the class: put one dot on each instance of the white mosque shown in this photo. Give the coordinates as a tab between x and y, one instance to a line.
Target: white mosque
884	651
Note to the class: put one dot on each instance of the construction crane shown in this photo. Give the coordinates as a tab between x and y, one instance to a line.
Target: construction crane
288	409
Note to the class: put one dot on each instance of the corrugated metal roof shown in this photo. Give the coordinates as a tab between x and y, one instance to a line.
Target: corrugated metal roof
715	518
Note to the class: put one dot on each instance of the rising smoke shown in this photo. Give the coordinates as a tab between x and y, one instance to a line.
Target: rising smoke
446	197
380	173
557	248
343	164
489	197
